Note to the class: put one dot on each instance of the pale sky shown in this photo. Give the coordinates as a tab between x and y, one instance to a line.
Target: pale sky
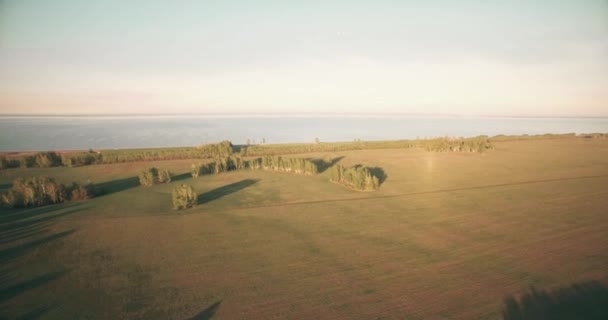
520	58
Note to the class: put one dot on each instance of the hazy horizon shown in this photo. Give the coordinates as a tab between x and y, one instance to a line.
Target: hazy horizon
471	58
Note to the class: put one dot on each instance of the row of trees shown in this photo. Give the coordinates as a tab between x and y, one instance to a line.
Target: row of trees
478	144
41	191
356	177
76	159
152	176
277	163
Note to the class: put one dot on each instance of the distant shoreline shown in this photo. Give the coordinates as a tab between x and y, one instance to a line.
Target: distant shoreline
298	115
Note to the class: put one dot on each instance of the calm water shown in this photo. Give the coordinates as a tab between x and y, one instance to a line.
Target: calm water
68	133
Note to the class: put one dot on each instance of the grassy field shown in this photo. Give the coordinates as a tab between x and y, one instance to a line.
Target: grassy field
447	236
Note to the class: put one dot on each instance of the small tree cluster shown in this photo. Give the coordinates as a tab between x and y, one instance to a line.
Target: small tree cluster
221	164
152	176
183	196
40	191
295	165
357	177
232	163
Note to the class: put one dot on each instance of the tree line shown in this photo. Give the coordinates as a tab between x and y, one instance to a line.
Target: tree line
475	144
269	163
356	177
77	159
41	191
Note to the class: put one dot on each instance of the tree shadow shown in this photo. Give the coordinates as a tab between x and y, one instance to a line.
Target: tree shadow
585	300
33	224
378	173
35	313
323	165
225	190
8	292
182	176
119	185
5	186
207	313
13	252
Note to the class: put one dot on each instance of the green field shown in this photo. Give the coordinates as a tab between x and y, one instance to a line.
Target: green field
447	236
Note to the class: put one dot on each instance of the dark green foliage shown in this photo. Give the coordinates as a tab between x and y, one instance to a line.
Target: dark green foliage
40	191
183	196
357	177
152	176
6	163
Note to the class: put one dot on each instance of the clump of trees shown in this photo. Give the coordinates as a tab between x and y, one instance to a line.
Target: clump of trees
41	191
294	165
183	197
232	163
356	177
152	176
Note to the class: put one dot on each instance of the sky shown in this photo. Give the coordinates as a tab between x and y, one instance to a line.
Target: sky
496	58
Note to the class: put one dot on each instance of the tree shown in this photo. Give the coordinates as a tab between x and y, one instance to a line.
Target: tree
183	197
164	176
148	177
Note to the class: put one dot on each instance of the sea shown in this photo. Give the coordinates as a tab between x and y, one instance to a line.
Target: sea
38	133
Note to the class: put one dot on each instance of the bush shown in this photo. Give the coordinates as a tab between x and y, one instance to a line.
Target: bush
164	176
183	197
148	177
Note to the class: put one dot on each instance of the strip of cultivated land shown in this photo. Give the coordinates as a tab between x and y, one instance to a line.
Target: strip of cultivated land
447	235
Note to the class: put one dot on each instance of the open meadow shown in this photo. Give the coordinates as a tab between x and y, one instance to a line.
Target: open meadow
520	228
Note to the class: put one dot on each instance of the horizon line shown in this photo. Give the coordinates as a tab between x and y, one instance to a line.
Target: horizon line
294	114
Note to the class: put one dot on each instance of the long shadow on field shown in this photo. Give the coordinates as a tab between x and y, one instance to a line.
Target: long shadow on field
323	165
5	186
181	176
585	300
22	231
225	190
208	313
35	313
379	173
119	185
9	291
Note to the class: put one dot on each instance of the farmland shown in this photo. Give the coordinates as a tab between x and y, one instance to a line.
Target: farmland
447	235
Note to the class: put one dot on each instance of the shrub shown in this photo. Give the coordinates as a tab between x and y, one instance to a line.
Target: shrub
164	176
183	197
148	177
